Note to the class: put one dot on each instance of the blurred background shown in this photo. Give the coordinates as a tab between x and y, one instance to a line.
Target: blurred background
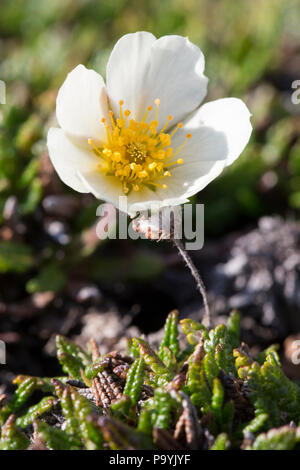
55	275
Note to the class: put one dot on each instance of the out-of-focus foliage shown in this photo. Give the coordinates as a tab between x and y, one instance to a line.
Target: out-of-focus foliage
251	52
205	394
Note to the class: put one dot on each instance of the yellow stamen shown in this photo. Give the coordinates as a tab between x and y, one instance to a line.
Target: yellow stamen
163	186
121	102
170	117
152	165
111	115
157	103
178	162
146	113
179	126
188	136
137	153
91	142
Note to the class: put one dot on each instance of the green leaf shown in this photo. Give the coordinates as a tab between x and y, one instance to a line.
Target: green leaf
134	381
15	257
50	278
170	339
12	438
71	357
55	438
221	442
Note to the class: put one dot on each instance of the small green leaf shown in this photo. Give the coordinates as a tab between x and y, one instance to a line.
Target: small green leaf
50	278
15	257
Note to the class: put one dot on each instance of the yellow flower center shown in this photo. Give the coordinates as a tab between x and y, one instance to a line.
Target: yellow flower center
135	152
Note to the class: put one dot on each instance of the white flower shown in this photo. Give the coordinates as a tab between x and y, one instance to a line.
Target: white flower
144	134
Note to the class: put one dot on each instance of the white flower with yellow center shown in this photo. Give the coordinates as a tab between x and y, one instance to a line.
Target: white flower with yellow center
144	134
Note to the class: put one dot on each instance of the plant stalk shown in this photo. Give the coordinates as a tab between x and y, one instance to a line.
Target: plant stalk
196	276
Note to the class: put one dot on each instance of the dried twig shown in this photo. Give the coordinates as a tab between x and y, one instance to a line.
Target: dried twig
188	424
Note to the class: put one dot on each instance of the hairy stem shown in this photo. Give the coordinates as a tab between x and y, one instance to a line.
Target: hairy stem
197	277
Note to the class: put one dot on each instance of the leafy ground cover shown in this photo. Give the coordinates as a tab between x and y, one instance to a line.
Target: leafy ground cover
204	392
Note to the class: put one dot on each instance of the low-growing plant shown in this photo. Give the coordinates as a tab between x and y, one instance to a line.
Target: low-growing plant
201	389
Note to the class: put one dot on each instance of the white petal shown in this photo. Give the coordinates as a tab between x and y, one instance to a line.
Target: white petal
141	69
203	160
229	117
190	178
110	189
68	159
80	105
154	200
107	188
126	72
220	131
176	77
